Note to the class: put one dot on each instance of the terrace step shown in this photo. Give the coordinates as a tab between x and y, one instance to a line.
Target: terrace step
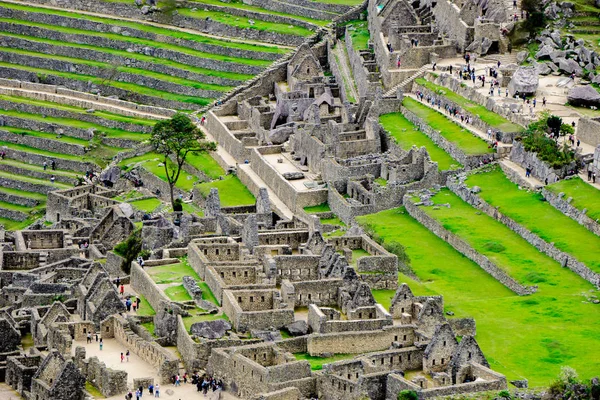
37	157
392	92
68	97
24	198
42	141
38	172
13	181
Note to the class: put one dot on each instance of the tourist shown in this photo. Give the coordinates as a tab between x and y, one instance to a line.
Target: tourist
573	124
129	395
141	390
157	390
177	380
185	377
489	133
578	142
138	302
593	177
122	357
544	102
398	61
151	389
101	344
137	395
499	91
450	69
127	355
89	338
3	154
589	173
527	171
96	338
534	102
128	304
53	165
45	165
118	281
52	179
122	289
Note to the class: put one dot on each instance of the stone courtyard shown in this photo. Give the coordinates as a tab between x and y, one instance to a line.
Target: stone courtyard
401	201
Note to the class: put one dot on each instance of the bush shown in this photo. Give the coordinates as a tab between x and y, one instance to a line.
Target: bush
408	395
504	394
129	249
535	139
178	205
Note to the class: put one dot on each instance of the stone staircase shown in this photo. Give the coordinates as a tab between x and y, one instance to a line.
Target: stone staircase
404	83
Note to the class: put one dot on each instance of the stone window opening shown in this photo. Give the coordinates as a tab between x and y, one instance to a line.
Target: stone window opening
348	376
255	357
433	362
404	337
444	343
251	299
234	364
444	381
442	361
223	275
234	274
252	373
205	252
357	375
107	329
396	338
239	299
309	296
228	251
261	378
359	315
421	383
370	315
344	387
245	274
469	356
409	357
350	389
84	330
382	361
262	299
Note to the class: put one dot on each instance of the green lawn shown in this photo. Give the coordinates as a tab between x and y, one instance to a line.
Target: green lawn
29	179
145	308
406	134
171	273
189	321
153	163
359	34
178	293
487	116
530	210
316	363
342	2
205	163
584	195
461	137
46	135
146	205
232	191
530	336
91	389
174	33
323	207
23	193
242	23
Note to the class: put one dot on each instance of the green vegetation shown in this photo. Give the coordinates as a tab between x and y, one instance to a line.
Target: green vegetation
146	205
536	139
95	393
333	221
530	210
584	195
359	32
174	33
406	135
145	309
232	191
172	273
461	137
189	321
348	82
342	2
316	363
203	161
178	293
381	182
28	179
243	23
528	336
408	395
487	116
129	249
152	162
323	207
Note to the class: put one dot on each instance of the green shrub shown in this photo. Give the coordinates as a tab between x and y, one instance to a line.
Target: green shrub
535	139
178	205
129	249
504	394
408	395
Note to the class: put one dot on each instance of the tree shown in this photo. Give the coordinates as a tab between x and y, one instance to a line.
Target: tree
175	138
536	18
554	123
408	395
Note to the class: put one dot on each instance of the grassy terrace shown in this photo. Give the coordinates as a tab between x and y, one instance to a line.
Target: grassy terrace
138	56
538	216
146	205
28	179
136	71
242	23
530	336
120	85
487	116
232	191
153	163
584	196
323	207
39	168
22	193
406	134
461	137
174	33
360	34
316	363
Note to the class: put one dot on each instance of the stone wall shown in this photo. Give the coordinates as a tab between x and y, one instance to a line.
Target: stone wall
367	82
565	259
464	248
468	161
360	342
305	9
54	146
447	16
563	204
539	169
588	131
110	382
143	284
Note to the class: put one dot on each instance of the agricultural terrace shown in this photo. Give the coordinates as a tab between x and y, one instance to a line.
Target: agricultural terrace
585	196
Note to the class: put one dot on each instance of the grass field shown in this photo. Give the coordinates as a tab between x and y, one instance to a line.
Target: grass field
172	273
146	205
530	210
584	196
323	207
178	293
232	191
316	363
487	116
359	32
461	137
406	135
529	336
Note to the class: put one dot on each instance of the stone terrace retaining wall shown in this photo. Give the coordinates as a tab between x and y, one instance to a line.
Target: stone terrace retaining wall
143	284
67	66
27	186
504	137
13	169
53	112
39	159
469	161
39	126
79	99
89	54
589	131
201	25
55	146
88	86
302	8
365	81
83	24
12	214
329	7
469	93
563	204
565	259
466	249
24	201
539	169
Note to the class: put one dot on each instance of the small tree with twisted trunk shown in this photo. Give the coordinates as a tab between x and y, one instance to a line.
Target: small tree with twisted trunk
174	139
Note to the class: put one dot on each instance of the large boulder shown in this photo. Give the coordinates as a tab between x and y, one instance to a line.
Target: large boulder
297	328
585	96
522	56
524	80
291	176
210	329
544	52
569	66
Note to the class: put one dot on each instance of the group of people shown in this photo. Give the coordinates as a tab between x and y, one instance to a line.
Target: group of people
135	303
152	389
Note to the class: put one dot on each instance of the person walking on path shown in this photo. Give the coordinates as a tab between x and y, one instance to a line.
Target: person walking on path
157	390
122	357
122	290
89	338
45	165
101	344
127	355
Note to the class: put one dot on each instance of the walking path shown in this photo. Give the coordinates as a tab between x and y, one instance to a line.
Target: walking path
344	65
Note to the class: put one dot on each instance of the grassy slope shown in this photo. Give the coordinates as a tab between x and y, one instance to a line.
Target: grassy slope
483	113
406	134
521	336
232	191
465	140
177	34
146	205
360	34
584	195
538	216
